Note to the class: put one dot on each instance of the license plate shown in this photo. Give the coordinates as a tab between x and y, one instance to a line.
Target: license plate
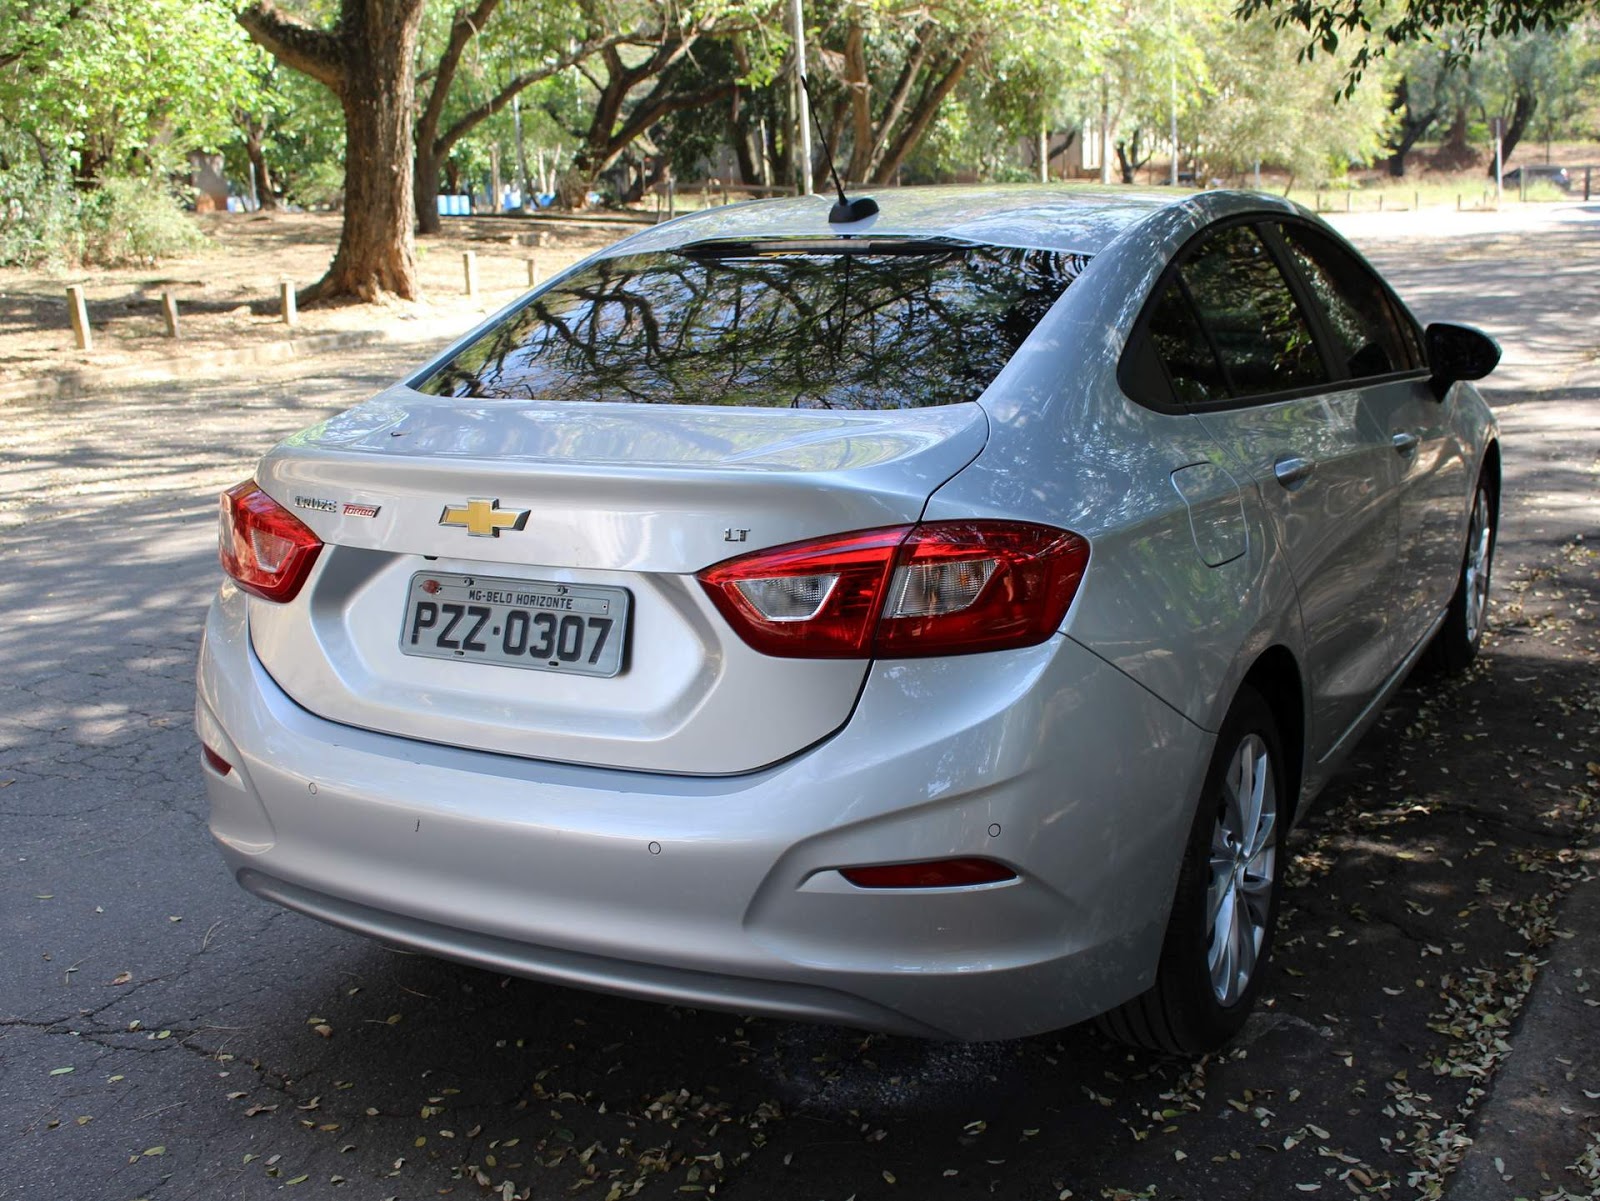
538	624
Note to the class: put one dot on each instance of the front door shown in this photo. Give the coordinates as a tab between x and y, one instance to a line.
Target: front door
1376	345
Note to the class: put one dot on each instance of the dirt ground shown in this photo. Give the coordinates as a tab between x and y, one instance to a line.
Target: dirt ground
228	293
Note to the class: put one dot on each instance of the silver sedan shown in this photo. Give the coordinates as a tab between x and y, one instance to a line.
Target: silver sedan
931	622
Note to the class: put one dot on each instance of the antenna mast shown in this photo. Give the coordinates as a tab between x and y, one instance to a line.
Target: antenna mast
846	210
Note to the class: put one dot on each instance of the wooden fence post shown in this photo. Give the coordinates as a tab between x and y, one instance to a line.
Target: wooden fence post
533	271
286	306
169	313
469	272
79	312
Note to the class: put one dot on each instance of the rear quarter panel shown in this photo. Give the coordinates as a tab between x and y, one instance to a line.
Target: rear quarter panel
1069	449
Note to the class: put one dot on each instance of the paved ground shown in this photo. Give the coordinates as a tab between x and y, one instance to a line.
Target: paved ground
163	1035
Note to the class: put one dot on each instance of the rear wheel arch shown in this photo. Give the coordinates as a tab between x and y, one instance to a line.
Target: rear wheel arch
1275	675
1489	473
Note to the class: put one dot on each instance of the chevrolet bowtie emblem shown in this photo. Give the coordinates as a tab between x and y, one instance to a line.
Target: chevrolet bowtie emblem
484	518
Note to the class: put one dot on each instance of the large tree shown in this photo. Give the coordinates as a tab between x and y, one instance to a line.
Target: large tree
368	60
646	72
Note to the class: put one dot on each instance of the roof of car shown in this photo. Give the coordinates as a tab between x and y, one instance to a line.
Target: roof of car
1046	216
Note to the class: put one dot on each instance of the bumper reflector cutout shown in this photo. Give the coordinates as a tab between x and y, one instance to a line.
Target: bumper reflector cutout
215	761
932	873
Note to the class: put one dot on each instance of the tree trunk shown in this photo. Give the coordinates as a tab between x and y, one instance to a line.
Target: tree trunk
377	252
1409	127
1456	152
945	78
266	190
1521	114
426	187
367	60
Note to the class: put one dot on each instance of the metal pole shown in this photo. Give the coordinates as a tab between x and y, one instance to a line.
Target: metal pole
524	184
1105	128
1172	88
1499	161
802	103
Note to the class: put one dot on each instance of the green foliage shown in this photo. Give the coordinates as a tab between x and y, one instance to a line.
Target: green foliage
1262	105
39	211
301	129
116	85
1377	29
127	221
46	221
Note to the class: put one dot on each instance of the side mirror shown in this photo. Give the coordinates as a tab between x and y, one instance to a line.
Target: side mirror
1458	352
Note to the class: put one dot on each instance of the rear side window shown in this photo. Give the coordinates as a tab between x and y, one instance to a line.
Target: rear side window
1190	358
1369	336
834	325
1245	305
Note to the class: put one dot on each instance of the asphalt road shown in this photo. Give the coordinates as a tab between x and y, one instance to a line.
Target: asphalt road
165	1036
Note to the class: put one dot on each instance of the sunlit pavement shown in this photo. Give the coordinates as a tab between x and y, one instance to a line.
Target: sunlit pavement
164	1035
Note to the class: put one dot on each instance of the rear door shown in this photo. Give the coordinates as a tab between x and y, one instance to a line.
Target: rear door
1242	355
1375	343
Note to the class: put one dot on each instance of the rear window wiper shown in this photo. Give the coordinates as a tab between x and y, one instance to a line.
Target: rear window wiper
744	248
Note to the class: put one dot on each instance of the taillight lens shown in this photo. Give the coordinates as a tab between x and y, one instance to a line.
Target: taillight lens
262	545
940	588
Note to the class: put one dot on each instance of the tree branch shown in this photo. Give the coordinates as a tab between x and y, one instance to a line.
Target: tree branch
468	120
462	30
311	51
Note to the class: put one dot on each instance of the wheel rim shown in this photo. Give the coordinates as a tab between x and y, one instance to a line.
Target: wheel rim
1244	855
1479	536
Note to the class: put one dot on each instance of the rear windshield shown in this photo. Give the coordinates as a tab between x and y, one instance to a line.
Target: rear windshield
879	325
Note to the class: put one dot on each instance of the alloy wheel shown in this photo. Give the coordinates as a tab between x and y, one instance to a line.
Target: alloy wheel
1244	851
1480	535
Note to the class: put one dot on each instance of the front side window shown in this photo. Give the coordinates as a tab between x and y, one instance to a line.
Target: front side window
1261	336
1367	332
875	324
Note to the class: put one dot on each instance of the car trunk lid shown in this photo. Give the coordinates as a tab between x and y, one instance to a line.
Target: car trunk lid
610	500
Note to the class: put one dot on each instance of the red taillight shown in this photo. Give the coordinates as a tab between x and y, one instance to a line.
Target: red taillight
215	761
941	588
934	873
262	545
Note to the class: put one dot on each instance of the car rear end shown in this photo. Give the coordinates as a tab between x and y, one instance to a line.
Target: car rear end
614	650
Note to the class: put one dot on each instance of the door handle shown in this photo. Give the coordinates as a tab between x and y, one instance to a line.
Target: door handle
1293	471
1404	443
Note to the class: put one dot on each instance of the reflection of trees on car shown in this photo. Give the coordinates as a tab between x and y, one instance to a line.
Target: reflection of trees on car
747	326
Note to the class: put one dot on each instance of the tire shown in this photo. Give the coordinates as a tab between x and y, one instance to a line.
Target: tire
1456	644
1199	1001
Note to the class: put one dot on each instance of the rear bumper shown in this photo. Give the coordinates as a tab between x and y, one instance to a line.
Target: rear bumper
721	891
